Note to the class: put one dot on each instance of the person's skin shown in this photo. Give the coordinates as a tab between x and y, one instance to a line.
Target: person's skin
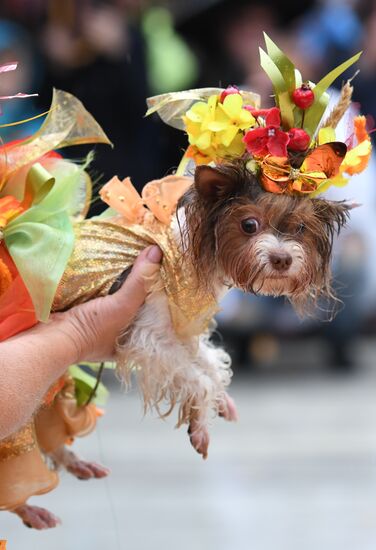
33	360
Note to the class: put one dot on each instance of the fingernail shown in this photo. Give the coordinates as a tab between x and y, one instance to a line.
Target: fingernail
154	254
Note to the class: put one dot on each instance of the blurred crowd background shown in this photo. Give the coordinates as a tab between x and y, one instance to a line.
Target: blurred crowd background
114	54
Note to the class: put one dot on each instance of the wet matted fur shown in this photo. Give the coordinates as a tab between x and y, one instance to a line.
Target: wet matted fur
233	234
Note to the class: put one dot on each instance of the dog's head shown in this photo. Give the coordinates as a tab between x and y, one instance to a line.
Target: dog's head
257	241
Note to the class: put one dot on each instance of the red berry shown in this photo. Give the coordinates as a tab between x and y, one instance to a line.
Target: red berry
299	139
303	97
228	91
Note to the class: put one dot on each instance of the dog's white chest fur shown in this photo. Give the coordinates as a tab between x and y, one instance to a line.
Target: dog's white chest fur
190	372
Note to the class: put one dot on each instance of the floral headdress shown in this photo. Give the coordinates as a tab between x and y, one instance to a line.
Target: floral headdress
287	146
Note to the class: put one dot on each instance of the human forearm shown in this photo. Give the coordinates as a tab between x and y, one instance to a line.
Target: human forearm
29	364
31	361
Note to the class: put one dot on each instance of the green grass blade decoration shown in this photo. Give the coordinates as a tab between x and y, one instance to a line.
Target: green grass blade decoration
314	114
284	64
280	89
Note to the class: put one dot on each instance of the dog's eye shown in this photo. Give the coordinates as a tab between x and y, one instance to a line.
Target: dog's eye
301	228
250	226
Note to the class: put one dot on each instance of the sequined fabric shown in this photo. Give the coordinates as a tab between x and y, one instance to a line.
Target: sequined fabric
18	443
103	250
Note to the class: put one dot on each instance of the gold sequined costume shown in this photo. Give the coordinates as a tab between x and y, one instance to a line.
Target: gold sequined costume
104	250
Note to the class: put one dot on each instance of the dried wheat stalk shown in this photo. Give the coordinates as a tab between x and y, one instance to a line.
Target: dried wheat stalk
341	107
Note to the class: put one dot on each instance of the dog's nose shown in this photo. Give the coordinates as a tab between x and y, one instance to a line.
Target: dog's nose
281	261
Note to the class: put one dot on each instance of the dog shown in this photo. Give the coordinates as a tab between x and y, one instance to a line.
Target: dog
231	233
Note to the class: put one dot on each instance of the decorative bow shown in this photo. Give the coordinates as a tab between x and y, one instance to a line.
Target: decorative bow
323	163
159	196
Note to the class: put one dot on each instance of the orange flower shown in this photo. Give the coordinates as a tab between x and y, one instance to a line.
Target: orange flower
360	128
9	209
357	158
199	157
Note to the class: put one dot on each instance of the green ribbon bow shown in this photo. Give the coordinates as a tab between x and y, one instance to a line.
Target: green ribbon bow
40	241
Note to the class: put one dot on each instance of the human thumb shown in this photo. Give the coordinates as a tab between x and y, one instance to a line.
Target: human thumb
135	289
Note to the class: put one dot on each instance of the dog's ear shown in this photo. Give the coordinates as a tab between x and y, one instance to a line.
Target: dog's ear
212	183
334	214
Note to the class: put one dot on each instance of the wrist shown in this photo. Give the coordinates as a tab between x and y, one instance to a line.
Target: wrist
72	335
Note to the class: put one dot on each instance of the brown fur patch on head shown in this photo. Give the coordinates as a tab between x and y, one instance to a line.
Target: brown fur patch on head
225	198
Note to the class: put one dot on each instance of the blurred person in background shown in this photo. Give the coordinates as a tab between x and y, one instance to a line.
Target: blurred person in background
344	28
112	54
16	45
95	51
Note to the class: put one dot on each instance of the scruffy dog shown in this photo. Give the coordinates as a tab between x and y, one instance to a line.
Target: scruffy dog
232	234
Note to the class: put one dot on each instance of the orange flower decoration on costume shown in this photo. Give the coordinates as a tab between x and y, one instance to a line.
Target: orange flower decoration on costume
9	209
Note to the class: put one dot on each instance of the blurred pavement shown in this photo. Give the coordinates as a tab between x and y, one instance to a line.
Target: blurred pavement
297	471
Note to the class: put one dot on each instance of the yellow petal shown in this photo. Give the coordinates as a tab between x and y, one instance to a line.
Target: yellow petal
326	135
245	119
216	126
193	116
212	104
228	135
200	108
204	140
192	128
232	105
237	147
357	158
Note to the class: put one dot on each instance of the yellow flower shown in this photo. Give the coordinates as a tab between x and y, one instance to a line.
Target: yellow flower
197	120
215	130
231	117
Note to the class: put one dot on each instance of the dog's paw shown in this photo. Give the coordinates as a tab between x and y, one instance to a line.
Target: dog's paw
227	409
199	437
83	469
36	517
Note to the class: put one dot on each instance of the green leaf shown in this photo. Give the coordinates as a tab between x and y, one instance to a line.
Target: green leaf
96	366
314	114
280	89
84	385
284	64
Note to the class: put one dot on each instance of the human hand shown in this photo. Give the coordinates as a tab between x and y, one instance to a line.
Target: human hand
94	327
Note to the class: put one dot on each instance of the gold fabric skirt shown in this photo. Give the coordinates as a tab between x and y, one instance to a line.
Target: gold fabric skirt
23	470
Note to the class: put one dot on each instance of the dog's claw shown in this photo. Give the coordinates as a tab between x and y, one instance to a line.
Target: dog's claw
36	517
228	409
199	438
84	470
